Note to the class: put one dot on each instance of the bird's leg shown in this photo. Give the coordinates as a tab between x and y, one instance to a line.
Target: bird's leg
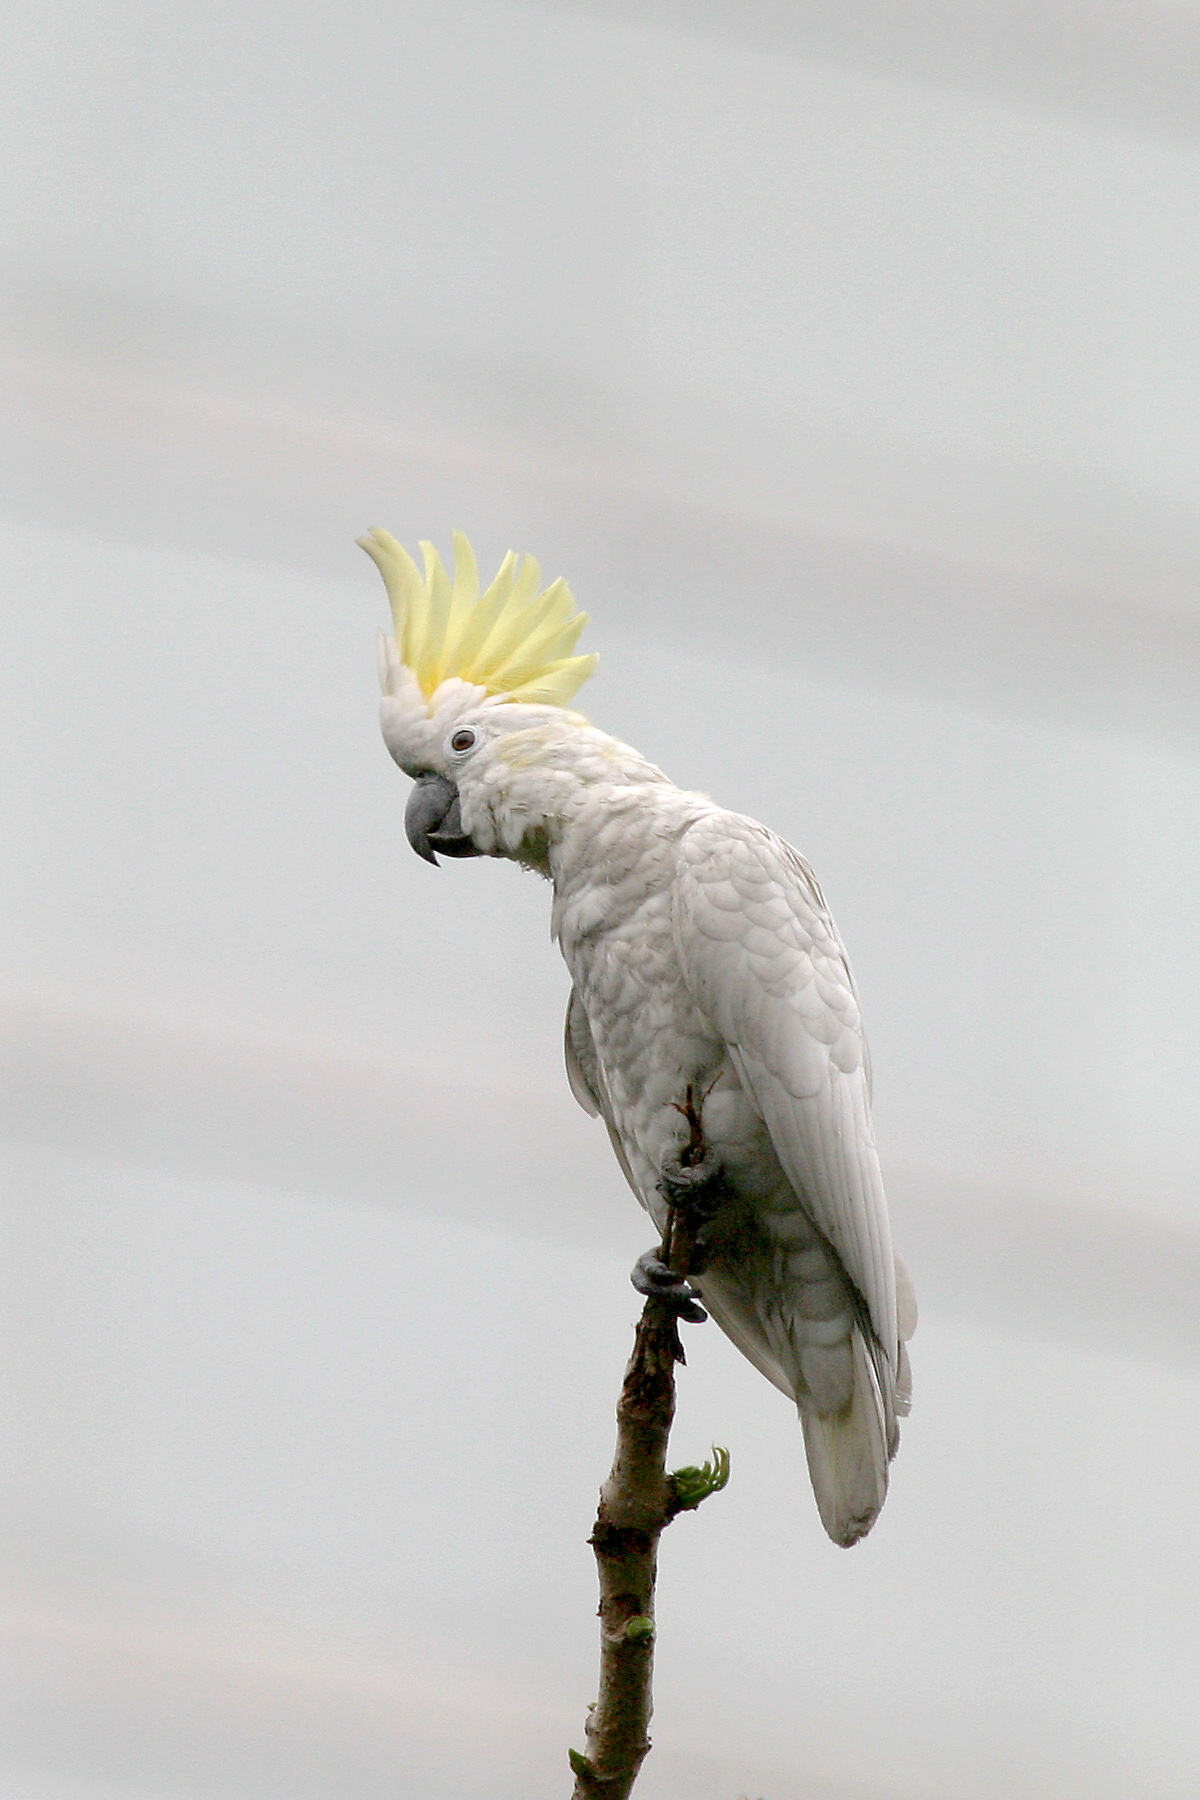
695	1192
692	1186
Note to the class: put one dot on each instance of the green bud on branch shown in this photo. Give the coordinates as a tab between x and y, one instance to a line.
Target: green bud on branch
691	1485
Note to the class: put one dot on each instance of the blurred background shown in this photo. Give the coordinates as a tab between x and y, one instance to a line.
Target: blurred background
844	358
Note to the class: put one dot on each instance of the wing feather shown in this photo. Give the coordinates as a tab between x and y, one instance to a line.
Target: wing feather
763	960
579	1053
587	1082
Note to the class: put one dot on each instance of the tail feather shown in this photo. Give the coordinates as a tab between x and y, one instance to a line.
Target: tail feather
848	1449
848	1454
906	1320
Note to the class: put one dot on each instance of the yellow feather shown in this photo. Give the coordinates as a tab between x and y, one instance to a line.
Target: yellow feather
528	581
558	684
437	585
510	640
463	598
516	624
400	575
486	613
543	651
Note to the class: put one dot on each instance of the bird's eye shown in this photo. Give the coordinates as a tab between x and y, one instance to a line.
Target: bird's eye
462	740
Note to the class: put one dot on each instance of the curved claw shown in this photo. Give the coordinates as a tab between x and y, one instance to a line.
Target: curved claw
652	1276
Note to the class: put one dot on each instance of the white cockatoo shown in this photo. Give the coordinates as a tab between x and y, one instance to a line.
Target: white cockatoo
710	993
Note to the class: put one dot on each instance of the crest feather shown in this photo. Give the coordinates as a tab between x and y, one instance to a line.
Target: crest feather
511	640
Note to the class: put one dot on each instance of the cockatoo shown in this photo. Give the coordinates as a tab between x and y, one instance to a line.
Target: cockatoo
710	994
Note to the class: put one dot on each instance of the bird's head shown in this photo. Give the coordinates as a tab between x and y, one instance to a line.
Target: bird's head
475	691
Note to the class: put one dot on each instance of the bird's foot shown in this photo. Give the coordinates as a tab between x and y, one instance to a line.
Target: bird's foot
658	1281
694	1190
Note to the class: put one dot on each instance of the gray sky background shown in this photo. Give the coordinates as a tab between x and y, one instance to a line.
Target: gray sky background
844	359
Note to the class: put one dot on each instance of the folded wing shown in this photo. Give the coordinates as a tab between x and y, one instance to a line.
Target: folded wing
764	962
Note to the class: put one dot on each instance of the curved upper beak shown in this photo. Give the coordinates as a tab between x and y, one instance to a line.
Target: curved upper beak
432	821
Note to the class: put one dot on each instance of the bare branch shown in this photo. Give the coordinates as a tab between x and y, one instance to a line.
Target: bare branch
636	1502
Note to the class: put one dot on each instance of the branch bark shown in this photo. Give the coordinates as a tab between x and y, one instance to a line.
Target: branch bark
636	1502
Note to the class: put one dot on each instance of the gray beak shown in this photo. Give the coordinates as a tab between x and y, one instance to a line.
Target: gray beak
432	822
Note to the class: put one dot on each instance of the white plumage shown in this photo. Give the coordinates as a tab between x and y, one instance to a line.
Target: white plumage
702	957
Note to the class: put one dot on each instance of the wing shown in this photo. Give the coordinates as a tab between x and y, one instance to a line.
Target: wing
583	1066
763	961
587	1083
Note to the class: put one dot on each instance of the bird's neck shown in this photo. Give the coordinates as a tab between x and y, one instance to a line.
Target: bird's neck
552	795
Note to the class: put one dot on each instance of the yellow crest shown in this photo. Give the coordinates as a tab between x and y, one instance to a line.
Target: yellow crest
511	639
